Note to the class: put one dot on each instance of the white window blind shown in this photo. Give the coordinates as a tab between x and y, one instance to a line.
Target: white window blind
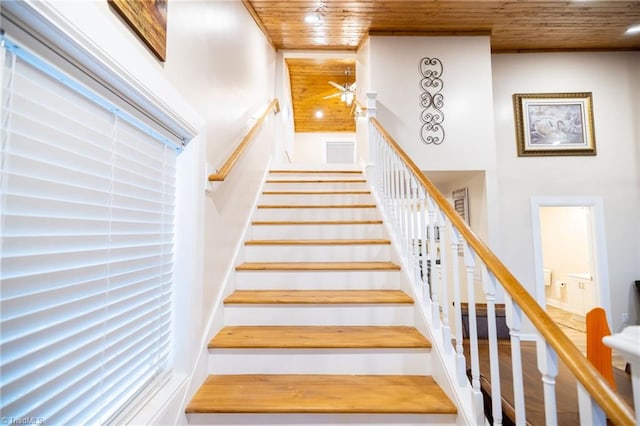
86	249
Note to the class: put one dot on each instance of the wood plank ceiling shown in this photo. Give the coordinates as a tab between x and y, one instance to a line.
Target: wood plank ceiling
309	85
513	25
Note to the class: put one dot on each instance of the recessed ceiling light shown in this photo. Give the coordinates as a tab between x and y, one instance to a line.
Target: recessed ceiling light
312	18
634	29
319	114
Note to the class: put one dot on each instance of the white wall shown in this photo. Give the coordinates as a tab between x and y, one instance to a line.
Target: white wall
469	142
363	77
310	148
218	72
220	60
612	174
285	132
447	182
468	108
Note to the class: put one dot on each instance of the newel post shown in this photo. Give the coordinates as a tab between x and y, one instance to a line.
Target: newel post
627	343
371	104
370	112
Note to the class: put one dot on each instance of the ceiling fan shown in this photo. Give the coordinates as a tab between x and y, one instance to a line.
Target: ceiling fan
347	92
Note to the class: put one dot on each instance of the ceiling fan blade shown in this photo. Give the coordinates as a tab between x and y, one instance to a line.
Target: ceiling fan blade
332	96
337	86
353	86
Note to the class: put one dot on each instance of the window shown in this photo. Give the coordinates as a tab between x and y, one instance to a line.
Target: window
87	196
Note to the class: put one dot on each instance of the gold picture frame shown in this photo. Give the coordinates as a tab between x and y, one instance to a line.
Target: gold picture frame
148	19
550	124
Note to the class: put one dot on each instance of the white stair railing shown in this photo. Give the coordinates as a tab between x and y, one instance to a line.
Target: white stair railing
443	255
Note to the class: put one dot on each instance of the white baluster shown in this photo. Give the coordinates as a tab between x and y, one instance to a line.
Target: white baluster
387	181
381	175
395	195
415	232
548	367
399	167
514	321
461	372
590	412
390	187
377	161
389	184
433	257
489	286
448	232
470	263
406	211
415	204
402	210
426	294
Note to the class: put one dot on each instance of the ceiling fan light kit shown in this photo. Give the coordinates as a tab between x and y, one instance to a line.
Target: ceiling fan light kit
347	91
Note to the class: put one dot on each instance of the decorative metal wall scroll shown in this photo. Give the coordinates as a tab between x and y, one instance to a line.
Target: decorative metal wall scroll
431	101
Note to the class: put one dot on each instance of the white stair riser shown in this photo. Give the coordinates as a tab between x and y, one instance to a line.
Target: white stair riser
323	175
302	232
261	419
312	186
316	214
315	199
318	253
280	314
318	280
396	361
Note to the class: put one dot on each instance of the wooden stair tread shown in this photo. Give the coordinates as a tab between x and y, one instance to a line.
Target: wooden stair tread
305	393
314	337
318	266
317	222
316	206
318	192
317	171
323	242
316	180
317	297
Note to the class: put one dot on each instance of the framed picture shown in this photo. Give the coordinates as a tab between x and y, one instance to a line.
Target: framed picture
148	19
461	203
554	124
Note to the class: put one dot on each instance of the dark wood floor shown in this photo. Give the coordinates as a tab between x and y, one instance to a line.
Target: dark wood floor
566	393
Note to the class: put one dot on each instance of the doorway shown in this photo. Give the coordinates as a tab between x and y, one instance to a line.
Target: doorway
570	260
582	236
567	259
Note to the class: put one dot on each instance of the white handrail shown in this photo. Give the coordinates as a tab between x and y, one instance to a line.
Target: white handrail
411	203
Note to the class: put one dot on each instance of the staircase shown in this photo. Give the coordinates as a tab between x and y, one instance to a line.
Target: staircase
319	328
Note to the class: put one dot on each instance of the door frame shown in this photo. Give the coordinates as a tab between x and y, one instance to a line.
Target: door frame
598	238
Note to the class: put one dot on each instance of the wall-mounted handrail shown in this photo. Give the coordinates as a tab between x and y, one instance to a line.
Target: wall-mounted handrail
221	174
615	407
